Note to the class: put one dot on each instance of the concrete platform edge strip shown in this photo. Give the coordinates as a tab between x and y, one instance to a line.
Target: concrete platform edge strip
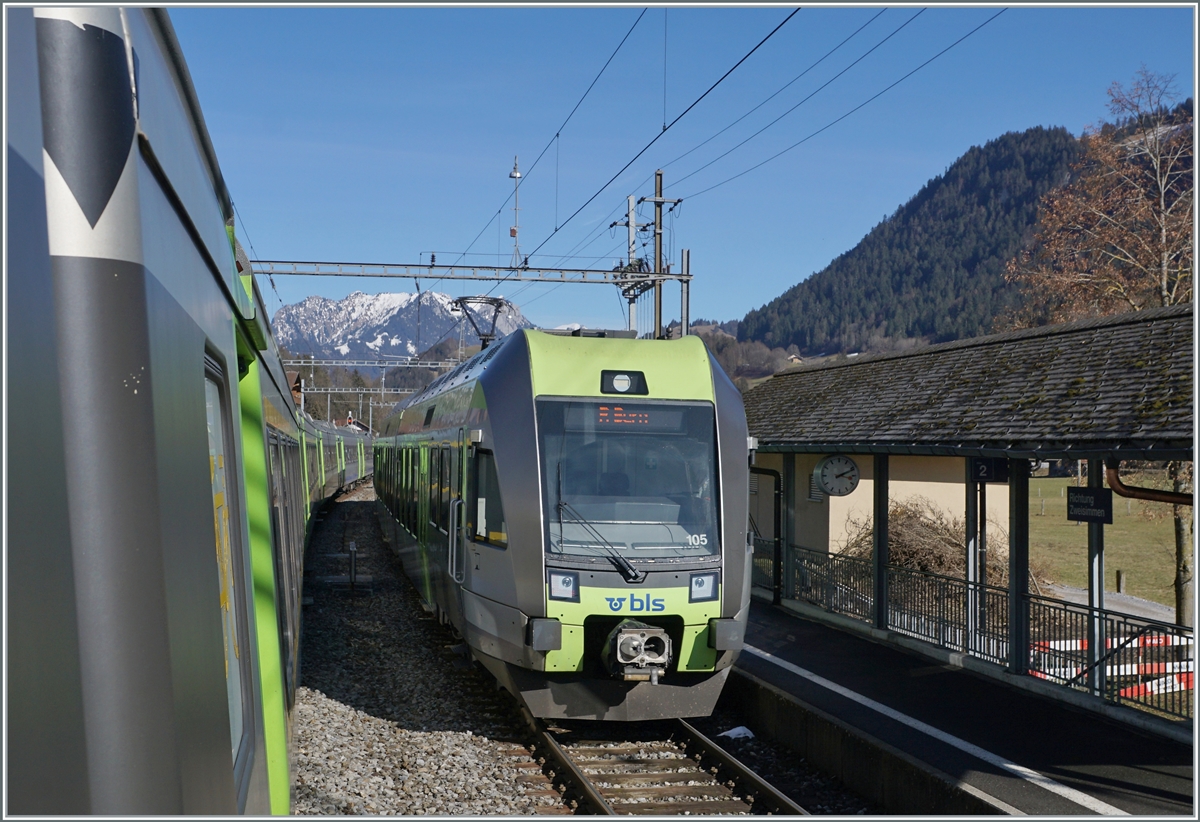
1181	732
882	774
1081	798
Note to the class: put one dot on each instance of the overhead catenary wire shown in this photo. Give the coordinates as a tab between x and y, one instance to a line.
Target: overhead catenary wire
585	242
603	223
666	129
832	123
557	133
804	100
252	248
779	91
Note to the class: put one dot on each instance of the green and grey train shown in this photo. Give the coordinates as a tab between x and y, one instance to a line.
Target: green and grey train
575	505
160	479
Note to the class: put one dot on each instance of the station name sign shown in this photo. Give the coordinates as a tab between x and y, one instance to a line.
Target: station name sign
1090	505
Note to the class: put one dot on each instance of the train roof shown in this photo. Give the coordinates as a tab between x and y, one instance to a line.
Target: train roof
674	369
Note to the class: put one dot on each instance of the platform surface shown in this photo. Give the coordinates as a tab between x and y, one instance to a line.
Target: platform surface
1035	755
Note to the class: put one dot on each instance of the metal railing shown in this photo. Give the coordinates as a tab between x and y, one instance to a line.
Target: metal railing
834	582
762	574
950	612
1141	662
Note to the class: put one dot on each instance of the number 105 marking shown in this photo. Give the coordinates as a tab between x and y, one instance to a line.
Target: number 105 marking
698	539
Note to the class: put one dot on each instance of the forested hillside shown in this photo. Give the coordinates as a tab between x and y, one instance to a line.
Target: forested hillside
934	270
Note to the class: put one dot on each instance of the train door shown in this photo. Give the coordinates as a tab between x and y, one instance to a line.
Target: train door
439	522
321	462
231	570
424	512
303	462
456	536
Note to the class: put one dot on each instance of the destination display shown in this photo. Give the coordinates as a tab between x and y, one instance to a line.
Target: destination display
658	419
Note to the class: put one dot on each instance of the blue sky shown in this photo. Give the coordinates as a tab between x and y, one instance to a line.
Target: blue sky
383	134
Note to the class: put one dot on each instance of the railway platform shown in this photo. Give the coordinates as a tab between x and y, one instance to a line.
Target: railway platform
1018	752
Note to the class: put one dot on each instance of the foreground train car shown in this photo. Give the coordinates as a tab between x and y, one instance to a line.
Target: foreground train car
576	507
159	477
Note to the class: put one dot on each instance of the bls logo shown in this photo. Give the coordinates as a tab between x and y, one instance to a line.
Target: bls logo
637	603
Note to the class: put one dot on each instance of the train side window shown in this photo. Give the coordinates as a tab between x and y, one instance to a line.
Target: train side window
229	569
444	512
485	513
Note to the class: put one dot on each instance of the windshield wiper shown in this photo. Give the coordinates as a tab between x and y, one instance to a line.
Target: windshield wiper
626	568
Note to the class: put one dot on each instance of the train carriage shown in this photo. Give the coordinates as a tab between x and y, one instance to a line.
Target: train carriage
160	497
575	505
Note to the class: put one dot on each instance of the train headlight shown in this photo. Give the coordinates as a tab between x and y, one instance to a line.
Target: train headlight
703	587
564	585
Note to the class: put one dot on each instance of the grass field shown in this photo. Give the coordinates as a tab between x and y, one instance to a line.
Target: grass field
1140	542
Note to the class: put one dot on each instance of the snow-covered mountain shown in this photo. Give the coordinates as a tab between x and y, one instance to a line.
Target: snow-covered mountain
365	326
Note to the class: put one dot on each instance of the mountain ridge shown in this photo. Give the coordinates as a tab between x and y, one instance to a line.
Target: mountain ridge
934	270
366	326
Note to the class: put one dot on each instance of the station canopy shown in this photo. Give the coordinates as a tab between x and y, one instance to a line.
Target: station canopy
1116	387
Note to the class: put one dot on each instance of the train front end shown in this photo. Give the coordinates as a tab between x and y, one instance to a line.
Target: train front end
642	490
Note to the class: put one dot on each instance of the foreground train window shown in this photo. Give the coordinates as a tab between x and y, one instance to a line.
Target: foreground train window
228	570
639	478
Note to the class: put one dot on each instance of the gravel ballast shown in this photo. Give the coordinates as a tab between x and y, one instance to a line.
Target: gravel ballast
391	718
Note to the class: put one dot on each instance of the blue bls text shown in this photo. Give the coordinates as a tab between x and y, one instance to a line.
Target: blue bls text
637	603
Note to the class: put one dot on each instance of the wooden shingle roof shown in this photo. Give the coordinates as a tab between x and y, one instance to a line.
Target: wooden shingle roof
1116	386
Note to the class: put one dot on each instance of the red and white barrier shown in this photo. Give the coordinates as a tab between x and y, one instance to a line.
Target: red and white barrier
1166	685
1148	641
1139	669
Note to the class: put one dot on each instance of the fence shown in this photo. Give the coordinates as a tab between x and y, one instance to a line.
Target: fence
834	582
950	612
1144	663
762	573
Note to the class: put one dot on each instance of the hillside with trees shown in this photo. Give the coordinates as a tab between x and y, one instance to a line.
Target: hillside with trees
933	271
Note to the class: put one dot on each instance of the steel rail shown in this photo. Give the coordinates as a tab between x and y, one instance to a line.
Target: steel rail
705	755
763	791
570	773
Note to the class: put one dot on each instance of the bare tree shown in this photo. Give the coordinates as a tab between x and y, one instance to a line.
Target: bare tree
1119	238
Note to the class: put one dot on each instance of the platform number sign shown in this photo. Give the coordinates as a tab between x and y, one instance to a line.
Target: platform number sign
988	469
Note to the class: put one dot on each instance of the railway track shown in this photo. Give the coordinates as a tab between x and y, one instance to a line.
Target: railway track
660	768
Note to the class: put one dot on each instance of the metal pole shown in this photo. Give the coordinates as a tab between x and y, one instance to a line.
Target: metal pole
684	285
658	267
981	566
1018	565
1095	586
880	554
787	537
302	397
972	517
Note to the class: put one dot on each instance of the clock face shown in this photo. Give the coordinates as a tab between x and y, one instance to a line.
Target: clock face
837	475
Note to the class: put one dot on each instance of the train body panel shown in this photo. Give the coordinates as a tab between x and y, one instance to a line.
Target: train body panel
157	522
488	469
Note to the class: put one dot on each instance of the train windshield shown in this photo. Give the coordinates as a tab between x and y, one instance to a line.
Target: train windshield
634	479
